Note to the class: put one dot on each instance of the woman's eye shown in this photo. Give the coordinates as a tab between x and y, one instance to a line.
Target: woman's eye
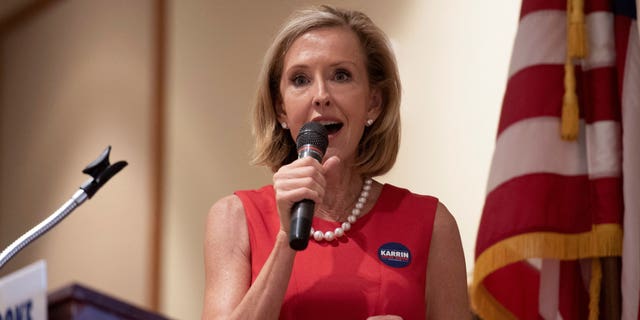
299	80
342	76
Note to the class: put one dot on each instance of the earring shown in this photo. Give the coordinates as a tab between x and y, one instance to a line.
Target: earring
284	125
369	123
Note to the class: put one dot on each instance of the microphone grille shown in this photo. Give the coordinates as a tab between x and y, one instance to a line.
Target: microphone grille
313	133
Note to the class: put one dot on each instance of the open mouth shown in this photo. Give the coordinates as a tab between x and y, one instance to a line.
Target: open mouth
332	127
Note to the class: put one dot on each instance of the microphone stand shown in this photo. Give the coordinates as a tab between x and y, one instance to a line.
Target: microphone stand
100	171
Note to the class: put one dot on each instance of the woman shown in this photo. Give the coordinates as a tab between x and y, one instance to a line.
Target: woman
378	251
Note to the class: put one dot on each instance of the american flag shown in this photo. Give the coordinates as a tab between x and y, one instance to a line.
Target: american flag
554	207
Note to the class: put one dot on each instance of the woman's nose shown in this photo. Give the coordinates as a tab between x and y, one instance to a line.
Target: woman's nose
321	96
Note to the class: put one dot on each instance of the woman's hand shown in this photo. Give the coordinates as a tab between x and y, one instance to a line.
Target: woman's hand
302	179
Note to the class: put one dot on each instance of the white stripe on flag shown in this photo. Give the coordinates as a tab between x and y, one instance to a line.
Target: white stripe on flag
534	146
604	149
541	39
631	181
535	263
548	296
602	46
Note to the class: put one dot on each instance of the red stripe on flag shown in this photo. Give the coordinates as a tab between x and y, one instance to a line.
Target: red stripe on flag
524	99
529	6
548	203
598	94
516	286
605	200
574	294
537	92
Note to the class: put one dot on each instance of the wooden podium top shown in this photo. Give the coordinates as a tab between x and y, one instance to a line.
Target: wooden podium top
76	302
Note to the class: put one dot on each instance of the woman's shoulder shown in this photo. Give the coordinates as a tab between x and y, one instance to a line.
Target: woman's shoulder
395	192
260	198
444	221
226	209
264	191
233	203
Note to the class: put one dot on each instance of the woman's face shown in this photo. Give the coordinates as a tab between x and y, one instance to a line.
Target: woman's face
325	79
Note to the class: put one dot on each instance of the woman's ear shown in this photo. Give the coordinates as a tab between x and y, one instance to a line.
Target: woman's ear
281	116
375	105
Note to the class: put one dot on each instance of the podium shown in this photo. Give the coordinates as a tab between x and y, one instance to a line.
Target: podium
77	302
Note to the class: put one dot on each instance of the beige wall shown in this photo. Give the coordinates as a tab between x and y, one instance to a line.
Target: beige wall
75	78
453	58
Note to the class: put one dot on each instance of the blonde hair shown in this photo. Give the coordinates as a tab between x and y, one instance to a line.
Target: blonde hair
378	147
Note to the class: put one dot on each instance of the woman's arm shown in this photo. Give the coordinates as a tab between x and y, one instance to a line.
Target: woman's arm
446	290
228	290
229	293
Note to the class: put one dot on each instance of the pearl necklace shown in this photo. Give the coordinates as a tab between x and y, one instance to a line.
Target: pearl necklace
351	219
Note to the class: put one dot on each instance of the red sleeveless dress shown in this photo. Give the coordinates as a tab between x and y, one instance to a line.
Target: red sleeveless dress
378	267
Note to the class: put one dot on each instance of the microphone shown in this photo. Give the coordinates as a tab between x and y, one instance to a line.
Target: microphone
312	142
100	170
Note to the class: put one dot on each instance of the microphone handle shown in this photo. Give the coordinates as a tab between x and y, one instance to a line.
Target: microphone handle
301	218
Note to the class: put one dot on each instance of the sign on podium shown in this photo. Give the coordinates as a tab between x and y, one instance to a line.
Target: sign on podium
23	294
